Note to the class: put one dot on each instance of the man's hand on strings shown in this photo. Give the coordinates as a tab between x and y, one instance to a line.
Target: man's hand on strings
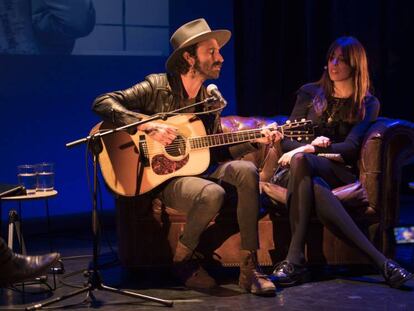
162	133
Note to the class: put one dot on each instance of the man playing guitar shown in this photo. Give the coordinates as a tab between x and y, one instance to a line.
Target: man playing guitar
196	58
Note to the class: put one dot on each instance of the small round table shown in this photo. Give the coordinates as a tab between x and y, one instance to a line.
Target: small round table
34	196
14	218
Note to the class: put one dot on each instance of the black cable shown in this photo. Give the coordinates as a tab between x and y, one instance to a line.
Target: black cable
13	308
75	257
15	289
62	279
68	275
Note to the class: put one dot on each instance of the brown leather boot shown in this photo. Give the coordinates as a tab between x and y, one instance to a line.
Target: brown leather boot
189	271
251	278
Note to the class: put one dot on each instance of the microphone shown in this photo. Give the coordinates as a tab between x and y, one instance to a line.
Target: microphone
212	90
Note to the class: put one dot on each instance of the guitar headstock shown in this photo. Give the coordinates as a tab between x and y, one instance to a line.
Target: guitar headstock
298	130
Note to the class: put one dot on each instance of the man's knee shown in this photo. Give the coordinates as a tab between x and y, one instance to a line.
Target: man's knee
245	171
212	197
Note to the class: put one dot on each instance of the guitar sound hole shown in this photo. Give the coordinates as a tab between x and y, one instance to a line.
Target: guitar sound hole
177	147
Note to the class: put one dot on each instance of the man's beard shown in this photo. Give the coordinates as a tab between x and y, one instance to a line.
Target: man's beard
207	71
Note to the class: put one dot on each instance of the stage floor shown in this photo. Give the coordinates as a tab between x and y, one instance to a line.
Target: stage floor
347	288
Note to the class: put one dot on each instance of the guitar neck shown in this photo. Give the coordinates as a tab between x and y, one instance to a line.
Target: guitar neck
223	139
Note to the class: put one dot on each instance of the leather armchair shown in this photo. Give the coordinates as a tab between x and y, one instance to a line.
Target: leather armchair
148	231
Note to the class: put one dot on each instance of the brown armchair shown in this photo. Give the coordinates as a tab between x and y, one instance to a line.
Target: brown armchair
148	231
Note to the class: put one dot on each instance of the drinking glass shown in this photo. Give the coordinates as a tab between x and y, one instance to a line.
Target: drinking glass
45	176
26	175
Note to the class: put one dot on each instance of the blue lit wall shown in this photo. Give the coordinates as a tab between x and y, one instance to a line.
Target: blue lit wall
45	103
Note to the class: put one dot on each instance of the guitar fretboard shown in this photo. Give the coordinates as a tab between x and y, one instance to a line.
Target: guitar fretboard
224	139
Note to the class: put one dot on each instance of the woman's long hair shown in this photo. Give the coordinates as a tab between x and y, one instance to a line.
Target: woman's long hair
355	57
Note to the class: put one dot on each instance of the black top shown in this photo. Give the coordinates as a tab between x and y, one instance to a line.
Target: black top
346	137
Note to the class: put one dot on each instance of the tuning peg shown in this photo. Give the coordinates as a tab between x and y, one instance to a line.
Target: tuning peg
302	120
287	122
299	138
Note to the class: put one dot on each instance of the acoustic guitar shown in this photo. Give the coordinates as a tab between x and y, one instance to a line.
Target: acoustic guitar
133	164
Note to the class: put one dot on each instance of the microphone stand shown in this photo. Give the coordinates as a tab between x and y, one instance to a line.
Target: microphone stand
94	143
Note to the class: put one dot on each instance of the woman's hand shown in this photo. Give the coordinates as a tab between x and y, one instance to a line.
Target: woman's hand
162	133
321	141
284	160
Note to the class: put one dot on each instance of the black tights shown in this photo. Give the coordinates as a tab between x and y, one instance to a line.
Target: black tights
309	188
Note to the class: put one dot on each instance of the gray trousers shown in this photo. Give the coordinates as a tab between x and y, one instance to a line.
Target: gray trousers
202	198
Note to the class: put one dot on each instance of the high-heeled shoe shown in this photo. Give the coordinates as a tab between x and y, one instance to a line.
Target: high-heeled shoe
394	274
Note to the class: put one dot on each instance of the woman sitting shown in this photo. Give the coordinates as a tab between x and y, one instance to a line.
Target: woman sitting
342	108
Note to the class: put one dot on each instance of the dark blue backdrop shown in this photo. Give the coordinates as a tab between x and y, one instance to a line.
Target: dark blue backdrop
45	103
45	100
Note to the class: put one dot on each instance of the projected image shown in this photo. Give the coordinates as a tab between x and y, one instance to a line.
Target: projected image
84	27
404	234
44	26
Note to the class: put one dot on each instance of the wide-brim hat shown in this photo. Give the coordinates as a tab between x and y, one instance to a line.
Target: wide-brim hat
191	33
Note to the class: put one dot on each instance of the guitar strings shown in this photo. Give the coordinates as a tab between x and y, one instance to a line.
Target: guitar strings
157	148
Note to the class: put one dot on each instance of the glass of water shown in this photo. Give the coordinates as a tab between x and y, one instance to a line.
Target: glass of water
26	175
45	176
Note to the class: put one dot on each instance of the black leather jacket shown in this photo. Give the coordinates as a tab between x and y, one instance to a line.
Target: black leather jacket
162	93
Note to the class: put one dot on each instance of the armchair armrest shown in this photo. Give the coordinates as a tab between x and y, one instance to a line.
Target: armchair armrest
387	147
264	158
